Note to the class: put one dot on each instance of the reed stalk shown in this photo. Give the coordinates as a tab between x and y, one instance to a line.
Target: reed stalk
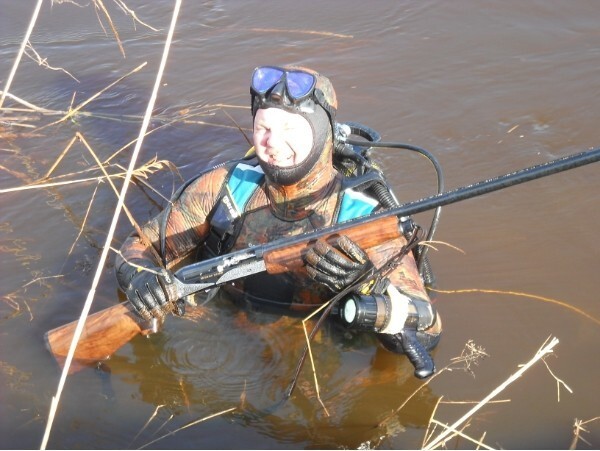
524	295
99	5
73	111
545	350
111	231
13	71
578	428
190	424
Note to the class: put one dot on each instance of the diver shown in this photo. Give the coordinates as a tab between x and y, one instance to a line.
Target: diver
301	177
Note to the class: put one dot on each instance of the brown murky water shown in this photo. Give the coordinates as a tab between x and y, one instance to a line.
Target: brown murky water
488	87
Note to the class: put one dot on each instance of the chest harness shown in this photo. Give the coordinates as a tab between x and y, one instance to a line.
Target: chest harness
241	184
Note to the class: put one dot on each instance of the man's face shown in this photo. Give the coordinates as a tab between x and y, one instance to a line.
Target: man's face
281	138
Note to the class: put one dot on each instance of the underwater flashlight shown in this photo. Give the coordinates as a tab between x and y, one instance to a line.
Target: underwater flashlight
385	314
366	312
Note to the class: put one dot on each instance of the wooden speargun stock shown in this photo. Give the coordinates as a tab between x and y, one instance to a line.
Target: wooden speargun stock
104	332
109	329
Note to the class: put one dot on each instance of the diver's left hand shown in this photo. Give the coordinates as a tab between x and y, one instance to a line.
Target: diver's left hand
337	266
153	293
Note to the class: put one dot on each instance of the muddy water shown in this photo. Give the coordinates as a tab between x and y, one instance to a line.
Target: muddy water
488	87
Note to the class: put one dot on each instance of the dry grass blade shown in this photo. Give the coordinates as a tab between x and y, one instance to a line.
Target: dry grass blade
577	429
312	363
99	5
160	428
481	439
559	381
470	355
311	32
135	265
44	61
130	143
16	121
39	279
131	12
73	111
190	424
26	104
37	185
497	401
9	300
165	124
87	213
13	70
151	167
542	352
428	433
146	424
112	185
430	244
412	395
70	2
111	231
310	354
210	124
60	157
479	443
16	174
238	127
521	294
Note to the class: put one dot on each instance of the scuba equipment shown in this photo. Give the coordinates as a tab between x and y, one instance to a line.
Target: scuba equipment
299	84
301	91
294	89
352	158
383	314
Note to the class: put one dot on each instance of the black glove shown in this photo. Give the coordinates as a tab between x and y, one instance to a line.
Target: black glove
416	345
337	267
153	294
416	353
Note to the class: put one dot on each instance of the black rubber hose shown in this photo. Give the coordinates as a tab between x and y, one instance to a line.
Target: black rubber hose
167	210
382	193
440	189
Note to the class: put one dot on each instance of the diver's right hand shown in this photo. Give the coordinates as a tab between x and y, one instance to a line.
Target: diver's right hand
153	293
337	266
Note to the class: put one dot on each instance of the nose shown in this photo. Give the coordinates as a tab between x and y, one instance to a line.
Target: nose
274	139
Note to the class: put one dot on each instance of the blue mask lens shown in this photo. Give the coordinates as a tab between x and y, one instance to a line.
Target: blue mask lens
265	78
299	84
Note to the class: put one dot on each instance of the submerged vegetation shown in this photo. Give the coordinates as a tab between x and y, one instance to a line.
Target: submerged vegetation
22	121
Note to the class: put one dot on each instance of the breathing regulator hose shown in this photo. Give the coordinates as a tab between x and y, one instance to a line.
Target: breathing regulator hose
350	148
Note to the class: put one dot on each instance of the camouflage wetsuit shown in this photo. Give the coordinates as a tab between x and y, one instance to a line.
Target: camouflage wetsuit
281	204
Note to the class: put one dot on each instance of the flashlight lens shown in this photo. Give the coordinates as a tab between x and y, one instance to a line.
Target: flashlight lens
350	311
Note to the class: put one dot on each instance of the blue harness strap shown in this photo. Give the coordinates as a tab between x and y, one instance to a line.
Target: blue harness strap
245	179
242	183
355	204
226	216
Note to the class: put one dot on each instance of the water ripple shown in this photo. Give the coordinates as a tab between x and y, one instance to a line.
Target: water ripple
230	356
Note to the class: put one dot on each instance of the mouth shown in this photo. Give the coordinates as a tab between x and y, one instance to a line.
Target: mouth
281	161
